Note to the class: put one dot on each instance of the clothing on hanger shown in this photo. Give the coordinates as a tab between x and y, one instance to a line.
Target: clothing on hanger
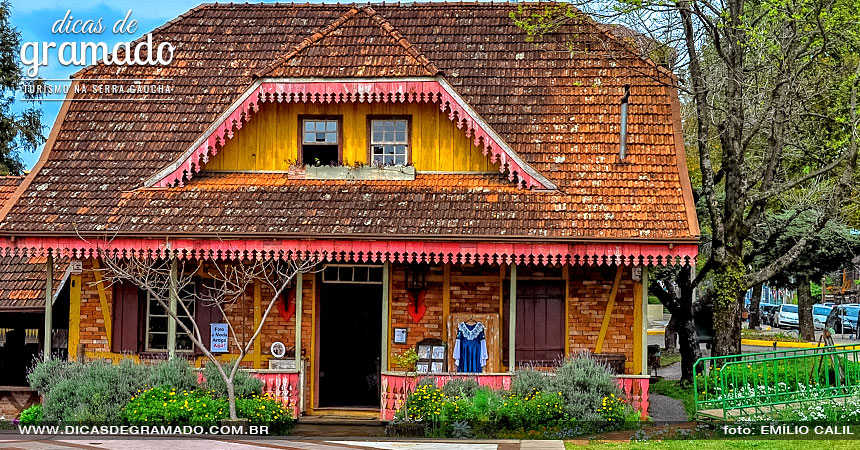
470	348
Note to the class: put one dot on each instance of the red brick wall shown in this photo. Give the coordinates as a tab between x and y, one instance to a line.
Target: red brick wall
430	325
589	289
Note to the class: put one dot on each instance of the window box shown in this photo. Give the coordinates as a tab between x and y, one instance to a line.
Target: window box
352	173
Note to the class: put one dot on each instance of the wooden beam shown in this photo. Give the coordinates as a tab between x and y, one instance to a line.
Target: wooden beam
609	306
644	329
258	317
637	328
103	300
74	315
49	306
512	321
298	319
174	304
446	299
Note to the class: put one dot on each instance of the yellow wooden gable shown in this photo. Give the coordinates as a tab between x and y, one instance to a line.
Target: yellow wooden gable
271	140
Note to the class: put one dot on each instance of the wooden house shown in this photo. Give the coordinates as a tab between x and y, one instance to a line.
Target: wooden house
439	167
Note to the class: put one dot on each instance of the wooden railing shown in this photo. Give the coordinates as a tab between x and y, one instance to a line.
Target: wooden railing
396	386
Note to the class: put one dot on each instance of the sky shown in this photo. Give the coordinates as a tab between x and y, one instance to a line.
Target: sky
34	19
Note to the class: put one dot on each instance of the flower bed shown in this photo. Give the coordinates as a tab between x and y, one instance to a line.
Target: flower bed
580	397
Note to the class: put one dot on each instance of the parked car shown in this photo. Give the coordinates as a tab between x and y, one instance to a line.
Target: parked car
786	316
844	318
766	313
819	316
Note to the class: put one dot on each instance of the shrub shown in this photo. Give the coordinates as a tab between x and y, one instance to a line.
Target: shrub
528	381
176	373
425	403
31	416
244	385
583	383
89	393
166	406
460	387
265	410
531	412
614	409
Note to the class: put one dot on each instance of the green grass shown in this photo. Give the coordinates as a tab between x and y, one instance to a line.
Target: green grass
719	445
667	359
673	389
780	336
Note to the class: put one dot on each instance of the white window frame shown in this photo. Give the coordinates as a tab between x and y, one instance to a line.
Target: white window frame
351	280
178	330
395	142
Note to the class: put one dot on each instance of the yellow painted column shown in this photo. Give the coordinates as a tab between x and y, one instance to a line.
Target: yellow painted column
258	314
74	315
637	328
100	286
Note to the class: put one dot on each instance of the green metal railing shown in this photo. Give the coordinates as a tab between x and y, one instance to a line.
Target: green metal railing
754	384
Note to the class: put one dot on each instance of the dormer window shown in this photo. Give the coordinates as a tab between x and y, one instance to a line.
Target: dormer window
321	141
389	141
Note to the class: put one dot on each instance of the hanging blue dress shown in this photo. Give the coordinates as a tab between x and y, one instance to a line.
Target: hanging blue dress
470	348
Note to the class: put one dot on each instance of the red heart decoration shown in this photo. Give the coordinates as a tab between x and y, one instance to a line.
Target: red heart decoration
287	306
416	313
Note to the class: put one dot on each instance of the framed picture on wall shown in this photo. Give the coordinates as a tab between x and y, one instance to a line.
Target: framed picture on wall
424	352
421	368
437	367
438	352
400	335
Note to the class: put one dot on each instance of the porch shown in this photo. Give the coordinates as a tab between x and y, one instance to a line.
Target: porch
351	322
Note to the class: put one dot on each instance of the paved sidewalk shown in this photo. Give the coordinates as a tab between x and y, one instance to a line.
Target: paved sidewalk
58	443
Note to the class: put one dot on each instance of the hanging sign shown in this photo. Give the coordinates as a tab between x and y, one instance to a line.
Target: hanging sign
218	338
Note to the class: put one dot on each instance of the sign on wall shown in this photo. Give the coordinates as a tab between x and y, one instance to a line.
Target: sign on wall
218	338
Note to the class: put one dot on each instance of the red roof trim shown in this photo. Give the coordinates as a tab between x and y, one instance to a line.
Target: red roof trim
428	90
363	251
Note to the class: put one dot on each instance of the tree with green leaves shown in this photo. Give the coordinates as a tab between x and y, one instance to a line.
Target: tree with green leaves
832	247
769	88
21	131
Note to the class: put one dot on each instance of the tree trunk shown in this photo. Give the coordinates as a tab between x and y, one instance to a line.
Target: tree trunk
755	312
231	398
690	351
728	296
670	338
804	310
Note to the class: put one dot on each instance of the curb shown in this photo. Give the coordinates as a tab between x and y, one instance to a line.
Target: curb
763	343
656	332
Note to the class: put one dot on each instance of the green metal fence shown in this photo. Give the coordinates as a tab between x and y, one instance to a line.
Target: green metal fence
730	387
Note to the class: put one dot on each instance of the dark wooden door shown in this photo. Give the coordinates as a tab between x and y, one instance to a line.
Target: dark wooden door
540	322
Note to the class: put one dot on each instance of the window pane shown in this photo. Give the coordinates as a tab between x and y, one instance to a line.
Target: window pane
309	137
377	159
155	308
183	342
400	160
158	341
309	125
389	160
375	274
389	149
400	136
360	274
345	273
331	125
330	273
377	125
389	136
331	137
158	324
400	125
377	136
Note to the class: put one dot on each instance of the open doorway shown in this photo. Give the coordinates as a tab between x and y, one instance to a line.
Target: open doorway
350	336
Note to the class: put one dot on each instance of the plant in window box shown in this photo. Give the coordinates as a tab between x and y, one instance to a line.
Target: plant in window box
406	361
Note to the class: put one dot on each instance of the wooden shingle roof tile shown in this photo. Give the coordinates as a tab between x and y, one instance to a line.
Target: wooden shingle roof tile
558	110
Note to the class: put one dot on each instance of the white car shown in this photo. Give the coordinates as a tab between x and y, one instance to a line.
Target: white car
786	316
819	316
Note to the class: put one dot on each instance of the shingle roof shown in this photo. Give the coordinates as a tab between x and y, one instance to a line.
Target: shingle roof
22	279
558	110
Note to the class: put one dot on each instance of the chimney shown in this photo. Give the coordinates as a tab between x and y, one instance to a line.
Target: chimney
622	150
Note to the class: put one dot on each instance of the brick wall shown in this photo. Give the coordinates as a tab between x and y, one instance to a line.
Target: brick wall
589	289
